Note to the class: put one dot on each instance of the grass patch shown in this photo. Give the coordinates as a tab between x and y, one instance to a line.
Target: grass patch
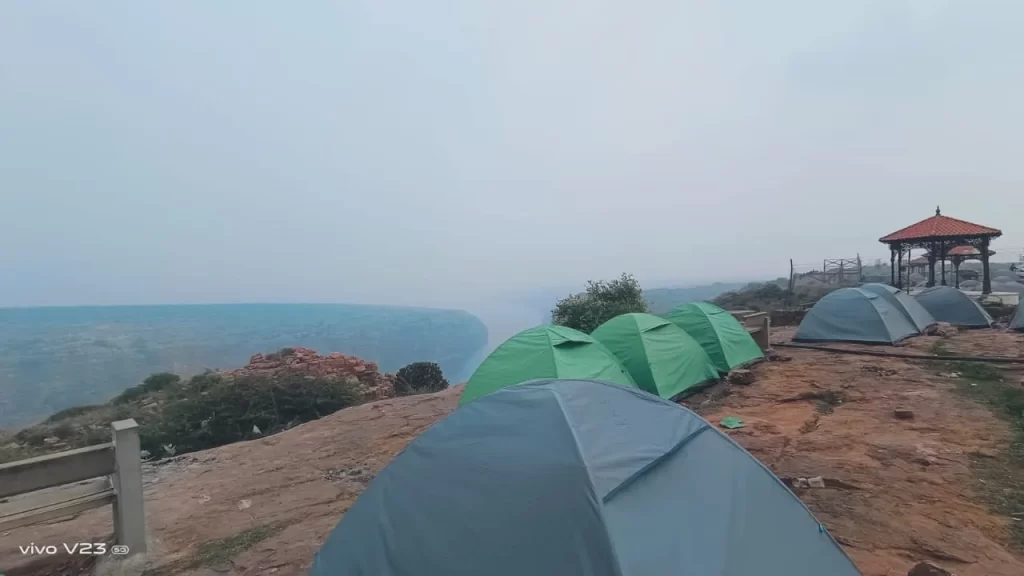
218	552
1001	477
828	400
976	371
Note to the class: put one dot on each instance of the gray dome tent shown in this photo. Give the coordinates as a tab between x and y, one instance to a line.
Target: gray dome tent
574	477
970	285
947	304
1011	286
854	315
911	308
1017	322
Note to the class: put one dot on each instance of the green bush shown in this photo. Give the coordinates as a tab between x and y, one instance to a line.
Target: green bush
419	378
160	381
64	430
768	296
74	411
153	383
31	436
602	301
220	411
97	435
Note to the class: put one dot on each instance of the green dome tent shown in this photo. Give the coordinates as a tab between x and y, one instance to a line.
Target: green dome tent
545	352
566	478
726	341
661	358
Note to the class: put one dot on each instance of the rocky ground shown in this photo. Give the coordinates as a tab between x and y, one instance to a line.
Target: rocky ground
370	382
894	491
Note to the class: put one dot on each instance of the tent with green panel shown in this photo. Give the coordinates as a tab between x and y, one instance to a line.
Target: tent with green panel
661	358
726	341
545	352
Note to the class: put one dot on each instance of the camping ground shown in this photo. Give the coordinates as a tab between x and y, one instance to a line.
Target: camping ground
940	487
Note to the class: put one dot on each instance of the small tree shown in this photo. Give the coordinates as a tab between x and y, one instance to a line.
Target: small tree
419	378
602	301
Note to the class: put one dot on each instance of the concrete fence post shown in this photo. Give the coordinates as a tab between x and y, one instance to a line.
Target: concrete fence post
764	336
129	515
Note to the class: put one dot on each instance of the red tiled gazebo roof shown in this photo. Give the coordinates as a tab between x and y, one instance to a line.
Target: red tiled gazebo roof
940	227
966	251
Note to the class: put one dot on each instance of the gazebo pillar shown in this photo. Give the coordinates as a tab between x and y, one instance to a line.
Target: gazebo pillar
892	265
956	271
942	250
899	268
986	284
931	266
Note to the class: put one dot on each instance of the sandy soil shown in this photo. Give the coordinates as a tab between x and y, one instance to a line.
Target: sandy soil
897	491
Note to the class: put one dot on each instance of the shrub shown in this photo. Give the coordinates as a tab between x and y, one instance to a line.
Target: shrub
419	378
220	411
95	435
153	383
602	301
160	381
72	412
64	430
767	296
32	437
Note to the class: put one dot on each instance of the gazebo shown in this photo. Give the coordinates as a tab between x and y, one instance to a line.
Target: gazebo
956	255
940	235
960	254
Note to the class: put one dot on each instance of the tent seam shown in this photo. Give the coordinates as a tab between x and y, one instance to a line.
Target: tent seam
647	467
590	481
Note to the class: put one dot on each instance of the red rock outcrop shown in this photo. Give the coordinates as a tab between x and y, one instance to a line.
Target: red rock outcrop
370	382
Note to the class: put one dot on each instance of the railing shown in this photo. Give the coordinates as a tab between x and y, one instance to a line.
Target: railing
758	324
107	474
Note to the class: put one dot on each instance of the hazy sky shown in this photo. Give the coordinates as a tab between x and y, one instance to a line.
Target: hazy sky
432	152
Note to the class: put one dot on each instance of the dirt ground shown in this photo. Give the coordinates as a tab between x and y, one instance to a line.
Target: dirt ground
896	491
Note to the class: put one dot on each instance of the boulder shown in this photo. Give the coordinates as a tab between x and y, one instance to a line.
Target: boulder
742	377
942	330
903	414
928	569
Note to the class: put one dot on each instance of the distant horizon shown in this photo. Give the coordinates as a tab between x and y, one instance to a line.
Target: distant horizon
522	296
493	298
